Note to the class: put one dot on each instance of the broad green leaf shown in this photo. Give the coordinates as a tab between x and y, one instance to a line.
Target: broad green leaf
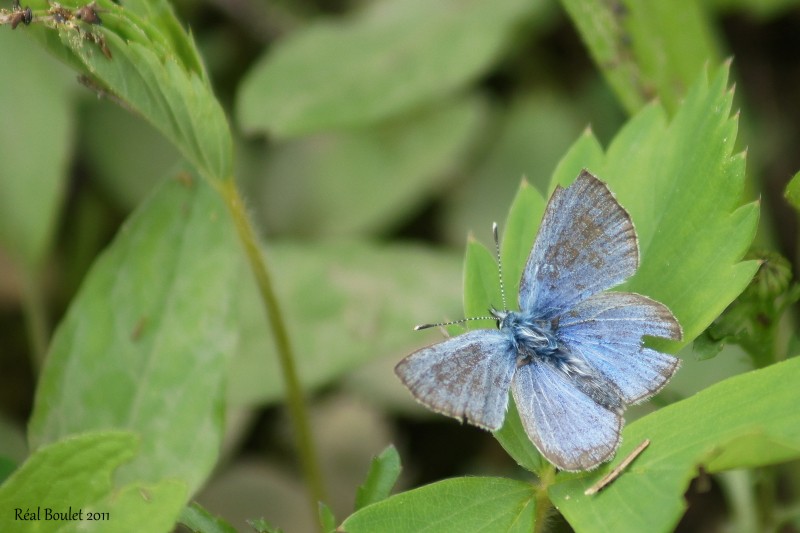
145	343
74	475
363	181
646	49
459	505
34	148
681	186
414	51
345	303
156	74
382	476
733	424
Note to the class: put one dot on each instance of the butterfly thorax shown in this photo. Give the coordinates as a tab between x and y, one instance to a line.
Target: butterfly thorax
536	339
530	337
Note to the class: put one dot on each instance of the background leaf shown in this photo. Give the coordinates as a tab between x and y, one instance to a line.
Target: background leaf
346	303
196	518
646	49
75	474
34	148
365	181
128	156
150	332
461	504
733	424
382	475
525	141
156	74
415	52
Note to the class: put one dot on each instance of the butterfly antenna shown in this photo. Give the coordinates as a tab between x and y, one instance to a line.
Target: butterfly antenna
426	326
499	265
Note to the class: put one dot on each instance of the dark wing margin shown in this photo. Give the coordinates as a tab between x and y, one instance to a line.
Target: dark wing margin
466	377
586	244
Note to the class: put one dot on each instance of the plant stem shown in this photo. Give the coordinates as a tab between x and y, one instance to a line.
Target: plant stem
295	399
543	503
35	317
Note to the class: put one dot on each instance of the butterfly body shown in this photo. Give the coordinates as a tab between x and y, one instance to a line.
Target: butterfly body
573	356
536	340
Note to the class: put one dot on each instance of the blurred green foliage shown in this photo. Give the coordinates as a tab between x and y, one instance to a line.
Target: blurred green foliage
355	126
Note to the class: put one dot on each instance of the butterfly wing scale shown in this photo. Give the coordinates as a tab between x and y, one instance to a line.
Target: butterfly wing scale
607	329
466	377
586	244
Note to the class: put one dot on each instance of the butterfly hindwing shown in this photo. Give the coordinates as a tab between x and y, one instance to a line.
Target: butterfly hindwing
586	244
606	330
569	428
466	377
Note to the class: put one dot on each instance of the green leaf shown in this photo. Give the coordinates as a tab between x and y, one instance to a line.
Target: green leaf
159	13
197	518
383	473
415	51
792	192
515	441
345	303
481	285
262	526
326	518
646	49
75	475
733	424
363	181
682	186
145	343
459	505
34	147
157	74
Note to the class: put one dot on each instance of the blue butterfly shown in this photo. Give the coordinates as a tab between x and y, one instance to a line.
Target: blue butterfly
573	356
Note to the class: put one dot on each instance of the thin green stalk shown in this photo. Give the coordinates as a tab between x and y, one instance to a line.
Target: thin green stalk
294	392
737	487
35	318
543	504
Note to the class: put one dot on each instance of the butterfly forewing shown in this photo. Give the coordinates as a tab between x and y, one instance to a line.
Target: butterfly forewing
464	377
567	426
606	330
586	244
